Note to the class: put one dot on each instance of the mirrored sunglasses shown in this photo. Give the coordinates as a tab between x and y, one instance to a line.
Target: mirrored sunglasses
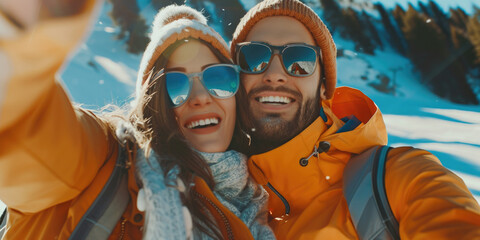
298	59
220	80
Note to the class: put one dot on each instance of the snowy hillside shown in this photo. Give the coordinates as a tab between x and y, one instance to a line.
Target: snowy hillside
102	72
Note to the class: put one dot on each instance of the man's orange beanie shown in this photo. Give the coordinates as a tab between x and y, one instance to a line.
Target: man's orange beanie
304	14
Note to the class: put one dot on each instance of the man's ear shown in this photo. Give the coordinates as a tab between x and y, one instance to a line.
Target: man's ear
323	89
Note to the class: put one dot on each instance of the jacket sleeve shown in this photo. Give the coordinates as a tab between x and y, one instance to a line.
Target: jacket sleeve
49	151
428	200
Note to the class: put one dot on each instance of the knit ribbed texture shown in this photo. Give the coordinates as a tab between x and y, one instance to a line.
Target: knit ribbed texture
304	14
176	23
238	192
164	217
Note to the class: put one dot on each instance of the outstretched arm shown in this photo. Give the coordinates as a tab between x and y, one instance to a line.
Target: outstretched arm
49	152
428	200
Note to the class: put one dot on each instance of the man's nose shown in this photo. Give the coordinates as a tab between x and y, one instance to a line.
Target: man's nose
198	94
275	74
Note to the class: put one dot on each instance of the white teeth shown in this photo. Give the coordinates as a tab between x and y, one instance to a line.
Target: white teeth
203	122
275	99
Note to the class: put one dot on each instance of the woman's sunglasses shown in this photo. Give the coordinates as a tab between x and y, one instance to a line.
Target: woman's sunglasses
298	59
220	81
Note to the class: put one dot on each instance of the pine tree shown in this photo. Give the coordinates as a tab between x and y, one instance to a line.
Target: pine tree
424	9
125	14
394	36
473	28
354	30
332	13
424	39
458	18
463	45
372	30
428	50
398	14
440	18
230	13
138	40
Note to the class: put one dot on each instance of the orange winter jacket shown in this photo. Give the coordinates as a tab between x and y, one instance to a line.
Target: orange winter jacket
428	200
54	158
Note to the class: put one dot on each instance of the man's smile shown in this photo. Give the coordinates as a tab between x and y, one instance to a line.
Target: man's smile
274	101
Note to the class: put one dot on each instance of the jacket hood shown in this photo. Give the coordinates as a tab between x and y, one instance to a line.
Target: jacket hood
348	107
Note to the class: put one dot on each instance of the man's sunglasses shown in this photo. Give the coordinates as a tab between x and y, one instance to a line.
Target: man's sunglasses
220	81
298	59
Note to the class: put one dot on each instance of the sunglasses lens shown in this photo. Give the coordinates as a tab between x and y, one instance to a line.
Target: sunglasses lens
178	87
253	58
221	81
299	60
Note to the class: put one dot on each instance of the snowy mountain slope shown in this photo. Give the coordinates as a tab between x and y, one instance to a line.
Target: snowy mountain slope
102	72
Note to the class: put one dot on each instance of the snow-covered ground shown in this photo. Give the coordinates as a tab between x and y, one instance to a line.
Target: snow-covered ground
102	73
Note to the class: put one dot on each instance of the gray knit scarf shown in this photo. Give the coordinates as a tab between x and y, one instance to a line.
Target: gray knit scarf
165	215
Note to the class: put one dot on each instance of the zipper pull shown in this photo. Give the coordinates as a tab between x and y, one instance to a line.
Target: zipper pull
323	146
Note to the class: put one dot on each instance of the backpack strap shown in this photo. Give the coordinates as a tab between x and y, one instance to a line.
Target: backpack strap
107	209
364	190
3	222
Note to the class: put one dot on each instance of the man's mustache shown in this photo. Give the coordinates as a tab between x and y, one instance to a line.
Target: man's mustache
284	89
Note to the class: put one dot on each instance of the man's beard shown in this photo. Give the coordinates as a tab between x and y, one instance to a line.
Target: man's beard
271	130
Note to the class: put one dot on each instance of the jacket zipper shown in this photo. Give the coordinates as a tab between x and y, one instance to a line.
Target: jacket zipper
122	232
285	202
222	215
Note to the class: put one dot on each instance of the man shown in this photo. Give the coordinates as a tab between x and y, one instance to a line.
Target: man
304	131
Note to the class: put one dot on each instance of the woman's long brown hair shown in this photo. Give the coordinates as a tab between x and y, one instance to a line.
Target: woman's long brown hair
155	120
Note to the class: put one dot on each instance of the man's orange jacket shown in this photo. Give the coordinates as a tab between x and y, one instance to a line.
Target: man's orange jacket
307	202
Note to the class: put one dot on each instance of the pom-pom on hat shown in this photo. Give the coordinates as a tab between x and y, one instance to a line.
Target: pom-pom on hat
175	23
304	14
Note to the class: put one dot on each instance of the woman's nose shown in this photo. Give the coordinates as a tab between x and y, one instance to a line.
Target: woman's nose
199	96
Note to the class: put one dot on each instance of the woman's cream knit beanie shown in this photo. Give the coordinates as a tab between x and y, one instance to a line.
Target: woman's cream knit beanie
175	23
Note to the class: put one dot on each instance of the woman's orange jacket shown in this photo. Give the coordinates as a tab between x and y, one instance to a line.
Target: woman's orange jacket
307	202
54	158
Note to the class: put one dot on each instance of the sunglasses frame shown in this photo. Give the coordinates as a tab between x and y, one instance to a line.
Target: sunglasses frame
279	50
199	75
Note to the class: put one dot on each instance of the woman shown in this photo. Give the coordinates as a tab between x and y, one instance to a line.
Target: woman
187	116
58	164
